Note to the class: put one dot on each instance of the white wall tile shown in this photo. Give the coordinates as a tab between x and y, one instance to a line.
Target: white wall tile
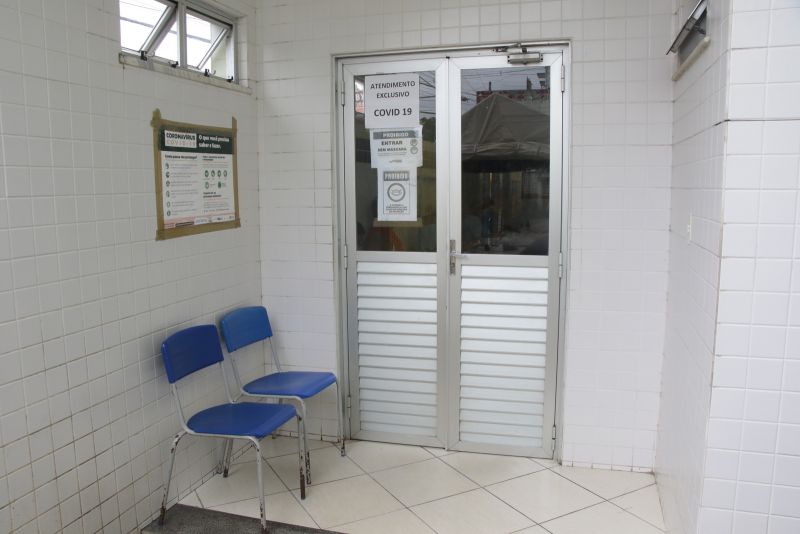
76	213
758	292
783	26
698	178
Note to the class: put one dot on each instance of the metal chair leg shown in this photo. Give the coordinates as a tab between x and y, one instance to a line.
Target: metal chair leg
175	441
221	468
302	455
340	412
228	453
303	434
275	433
261	500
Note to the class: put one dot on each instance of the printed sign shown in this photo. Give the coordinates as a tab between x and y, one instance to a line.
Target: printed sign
180	139
391	100
397	194
396	146
195	178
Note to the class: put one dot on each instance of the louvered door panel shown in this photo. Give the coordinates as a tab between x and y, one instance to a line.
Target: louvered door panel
397	347
503	353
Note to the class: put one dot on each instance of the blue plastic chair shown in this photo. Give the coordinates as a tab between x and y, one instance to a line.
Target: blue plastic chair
196	348
245	326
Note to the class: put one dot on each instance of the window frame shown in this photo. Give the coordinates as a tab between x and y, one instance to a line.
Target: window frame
227	32
176	12
691	40
155	37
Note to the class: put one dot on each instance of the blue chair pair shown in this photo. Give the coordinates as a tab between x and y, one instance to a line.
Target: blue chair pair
196	348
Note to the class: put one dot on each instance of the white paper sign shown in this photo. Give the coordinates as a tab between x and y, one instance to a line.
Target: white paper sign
393	147
391	100
397	194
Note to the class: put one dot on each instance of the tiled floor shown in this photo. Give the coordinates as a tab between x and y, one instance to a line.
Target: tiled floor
382	488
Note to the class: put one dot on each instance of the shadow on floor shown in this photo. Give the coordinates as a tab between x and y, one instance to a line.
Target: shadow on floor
183	519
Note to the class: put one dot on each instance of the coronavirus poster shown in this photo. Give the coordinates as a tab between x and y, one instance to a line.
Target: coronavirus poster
196	179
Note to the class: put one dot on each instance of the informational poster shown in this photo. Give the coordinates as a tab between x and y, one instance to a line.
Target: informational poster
196	178
391	100
397	194
396	146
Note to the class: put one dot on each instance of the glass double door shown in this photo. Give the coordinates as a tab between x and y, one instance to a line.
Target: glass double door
451	210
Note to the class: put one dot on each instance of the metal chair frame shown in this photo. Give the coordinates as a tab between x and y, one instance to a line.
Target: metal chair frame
227	449
225	461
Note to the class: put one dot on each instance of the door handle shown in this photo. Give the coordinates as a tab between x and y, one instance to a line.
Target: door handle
453	255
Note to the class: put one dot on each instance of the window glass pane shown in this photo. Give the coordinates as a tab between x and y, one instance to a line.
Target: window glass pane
168	49
137	18
413	236
505	161
218	62
201	35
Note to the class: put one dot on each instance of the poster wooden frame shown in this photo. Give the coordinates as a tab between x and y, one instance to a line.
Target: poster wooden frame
158	122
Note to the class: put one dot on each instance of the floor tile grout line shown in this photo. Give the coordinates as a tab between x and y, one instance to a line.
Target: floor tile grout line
633	491
398	499
580	486
593	492
265	464
395	466
266	498
479	486
484	488
544	523
538	523
543	468
326	482
317	484
364	473
376	515
535	522
599	503
293	490
387	489
635	515
507	479
465	475
423	521
610	500
526	528
300	502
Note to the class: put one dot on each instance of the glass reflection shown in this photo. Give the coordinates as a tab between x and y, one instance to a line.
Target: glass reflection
505	161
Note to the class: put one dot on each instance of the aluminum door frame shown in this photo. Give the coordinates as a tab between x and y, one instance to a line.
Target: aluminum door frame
343	66
553	261
378	65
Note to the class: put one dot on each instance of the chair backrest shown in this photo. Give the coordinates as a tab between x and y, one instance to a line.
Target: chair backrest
190	350
245	326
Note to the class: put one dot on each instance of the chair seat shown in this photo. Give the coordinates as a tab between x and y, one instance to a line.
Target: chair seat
303	384
241	419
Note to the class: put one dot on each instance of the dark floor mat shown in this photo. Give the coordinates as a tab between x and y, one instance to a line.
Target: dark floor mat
183	519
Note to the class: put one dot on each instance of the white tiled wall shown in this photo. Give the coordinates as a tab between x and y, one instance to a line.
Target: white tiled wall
752	482
620	175
86	293
695	250
753	456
